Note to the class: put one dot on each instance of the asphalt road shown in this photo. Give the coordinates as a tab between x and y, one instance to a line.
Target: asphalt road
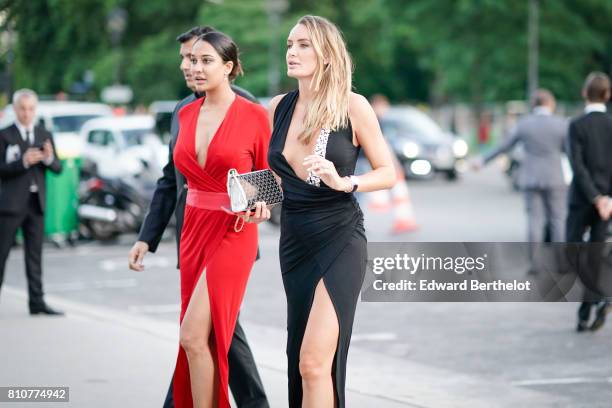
528	348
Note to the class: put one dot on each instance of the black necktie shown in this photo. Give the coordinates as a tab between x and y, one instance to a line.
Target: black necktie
33	186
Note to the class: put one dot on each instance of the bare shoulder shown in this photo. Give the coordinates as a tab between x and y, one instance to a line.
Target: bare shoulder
358	105
274	103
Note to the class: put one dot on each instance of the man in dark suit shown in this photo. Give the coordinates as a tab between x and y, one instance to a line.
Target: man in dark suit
590	140
26	152
169	198
543	136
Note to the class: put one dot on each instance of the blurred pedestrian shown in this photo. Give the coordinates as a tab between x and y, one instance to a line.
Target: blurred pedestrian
170	198
26	153
318	132
543	136
590	140
380	104
484	129
61	96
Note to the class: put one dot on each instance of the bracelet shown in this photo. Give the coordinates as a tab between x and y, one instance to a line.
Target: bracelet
354	184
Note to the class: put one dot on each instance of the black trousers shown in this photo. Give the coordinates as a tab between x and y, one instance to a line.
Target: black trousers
580	219
32	224
244	381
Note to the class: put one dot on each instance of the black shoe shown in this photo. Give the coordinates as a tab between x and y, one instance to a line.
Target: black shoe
45	310
582	326
600	317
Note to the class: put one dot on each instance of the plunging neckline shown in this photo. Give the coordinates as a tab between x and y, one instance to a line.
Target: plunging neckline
291	111
214	137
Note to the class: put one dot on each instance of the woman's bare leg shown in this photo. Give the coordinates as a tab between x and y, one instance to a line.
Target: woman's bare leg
318	351
196	340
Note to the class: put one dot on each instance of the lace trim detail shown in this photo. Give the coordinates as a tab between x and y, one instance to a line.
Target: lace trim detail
319	150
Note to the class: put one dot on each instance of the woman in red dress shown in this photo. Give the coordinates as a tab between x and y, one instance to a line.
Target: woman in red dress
217	132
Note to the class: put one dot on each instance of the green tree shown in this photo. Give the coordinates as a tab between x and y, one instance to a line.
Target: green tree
247	24
422	50
57	40
477	49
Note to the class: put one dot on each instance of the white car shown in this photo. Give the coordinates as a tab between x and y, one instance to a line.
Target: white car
63	119
124	146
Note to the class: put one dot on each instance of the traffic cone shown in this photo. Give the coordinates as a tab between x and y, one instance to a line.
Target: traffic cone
405	220
378	201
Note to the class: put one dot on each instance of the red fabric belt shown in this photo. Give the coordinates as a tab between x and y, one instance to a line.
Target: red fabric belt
207	200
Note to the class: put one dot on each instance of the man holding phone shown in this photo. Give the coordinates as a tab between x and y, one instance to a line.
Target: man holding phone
26	152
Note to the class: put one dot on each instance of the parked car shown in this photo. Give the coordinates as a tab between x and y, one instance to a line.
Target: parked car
124	146
421	146
63	119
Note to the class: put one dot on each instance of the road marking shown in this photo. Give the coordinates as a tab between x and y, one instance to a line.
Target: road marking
95	252
105	284
563	381
382	336
156	309
121	263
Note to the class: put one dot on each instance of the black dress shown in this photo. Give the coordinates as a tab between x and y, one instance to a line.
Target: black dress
322	237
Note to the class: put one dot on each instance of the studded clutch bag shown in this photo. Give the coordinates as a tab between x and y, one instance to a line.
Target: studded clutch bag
246	189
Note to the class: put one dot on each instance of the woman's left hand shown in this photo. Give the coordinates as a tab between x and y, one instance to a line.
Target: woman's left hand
326	171
260	214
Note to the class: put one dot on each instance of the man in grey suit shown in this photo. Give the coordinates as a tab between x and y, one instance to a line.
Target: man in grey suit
543	136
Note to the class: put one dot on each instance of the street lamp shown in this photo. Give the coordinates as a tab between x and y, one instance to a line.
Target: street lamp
115	24
533	45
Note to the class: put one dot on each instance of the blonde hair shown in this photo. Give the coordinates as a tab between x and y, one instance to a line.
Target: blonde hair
331	82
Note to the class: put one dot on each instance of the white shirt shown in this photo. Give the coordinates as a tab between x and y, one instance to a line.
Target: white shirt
595	107
23	131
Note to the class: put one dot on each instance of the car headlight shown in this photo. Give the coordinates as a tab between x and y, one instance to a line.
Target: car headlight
421	167
460	148
411	150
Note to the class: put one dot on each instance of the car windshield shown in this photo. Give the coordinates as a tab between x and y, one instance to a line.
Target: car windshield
71	123
418	125
135	137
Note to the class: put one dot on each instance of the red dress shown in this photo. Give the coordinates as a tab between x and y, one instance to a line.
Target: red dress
208	240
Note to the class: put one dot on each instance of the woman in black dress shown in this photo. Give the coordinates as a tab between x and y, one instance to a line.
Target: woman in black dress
318	132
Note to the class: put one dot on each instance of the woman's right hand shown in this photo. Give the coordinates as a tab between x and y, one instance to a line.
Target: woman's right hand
136	256
259	215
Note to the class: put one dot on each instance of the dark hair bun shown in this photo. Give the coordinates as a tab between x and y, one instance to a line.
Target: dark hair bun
226	48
